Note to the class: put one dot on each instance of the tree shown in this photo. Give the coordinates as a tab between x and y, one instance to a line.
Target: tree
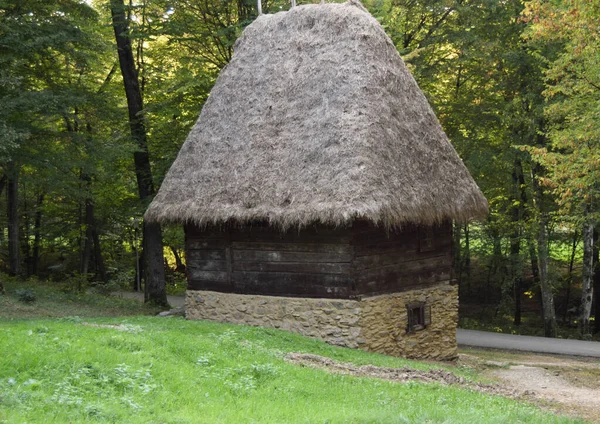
573	93
152	234
485	84
34	90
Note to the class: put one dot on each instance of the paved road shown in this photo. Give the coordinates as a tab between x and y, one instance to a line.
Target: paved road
527	343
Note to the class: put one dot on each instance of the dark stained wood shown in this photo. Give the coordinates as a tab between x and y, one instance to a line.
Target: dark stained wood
198	274
287	289
229	258
409	242
307	235
258	278
394	257
317	262
201	255
294	247
283	283
208	265
423	266
387	262
397	278
301	267
282	256
195	243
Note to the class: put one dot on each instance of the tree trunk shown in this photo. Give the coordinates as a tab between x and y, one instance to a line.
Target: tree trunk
546	287
12	194
467	256
2	184
570	276
91	235
515	241
179	266
3	181
87	238
152	235
155	288
587	289
100	267
515	251
36	235
548	311
26	227
535	266
596	283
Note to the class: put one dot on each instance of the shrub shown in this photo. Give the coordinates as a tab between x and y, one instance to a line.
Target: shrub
26	295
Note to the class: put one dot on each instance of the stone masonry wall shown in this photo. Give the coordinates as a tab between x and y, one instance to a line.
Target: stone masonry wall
375	324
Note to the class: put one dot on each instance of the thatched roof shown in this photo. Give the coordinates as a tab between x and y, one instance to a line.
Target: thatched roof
317	119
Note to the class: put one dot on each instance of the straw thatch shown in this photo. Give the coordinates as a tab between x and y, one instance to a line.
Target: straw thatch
317	119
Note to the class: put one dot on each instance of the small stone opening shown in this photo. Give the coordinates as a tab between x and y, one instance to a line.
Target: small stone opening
419	317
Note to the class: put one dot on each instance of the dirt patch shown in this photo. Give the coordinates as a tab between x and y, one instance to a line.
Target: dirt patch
403	375
549	387
538	379
563	384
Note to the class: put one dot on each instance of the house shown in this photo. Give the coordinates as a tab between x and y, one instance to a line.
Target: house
318	189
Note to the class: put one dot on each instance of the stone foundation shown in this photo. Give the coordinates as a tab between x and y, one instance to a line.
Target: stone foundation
376	324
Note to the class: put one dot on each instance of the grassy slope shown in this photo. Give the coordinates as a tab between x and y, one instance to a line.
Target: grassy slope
175	371
52	302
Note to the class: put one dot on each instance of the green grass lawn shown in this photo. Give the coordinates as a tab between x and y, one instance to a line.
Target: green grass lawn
168	370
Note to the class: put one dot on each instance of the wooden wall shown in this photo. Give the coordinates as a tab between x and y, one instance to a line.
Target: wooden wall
315	262
397	261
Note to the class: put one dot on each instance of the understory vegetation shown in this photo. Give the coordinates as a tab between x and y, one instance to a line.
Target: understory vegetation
168	370
513	83
33	299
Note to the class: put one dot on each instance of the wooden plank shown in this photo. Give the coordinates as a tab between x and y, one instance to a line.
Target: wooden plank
291	277
198	274
205	244
396	257
195	232
442	263
293	247
207	265
229	258
272	290
220	286
324	235
384	248
302	267
381	233
205	255
284	284
275	256
410	243
405	276
264	232
397	283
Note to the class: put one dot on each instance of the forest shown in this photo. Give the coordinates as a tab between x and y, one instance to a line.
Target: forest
98	96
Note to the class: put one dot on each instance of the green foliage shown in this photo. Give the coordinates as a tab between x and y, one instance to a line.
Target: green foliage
172	370
57	300
515	87
26	295
573	94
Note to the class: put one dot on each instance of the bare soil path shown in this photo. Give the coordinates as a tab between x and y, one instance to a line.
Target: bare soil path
565	385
